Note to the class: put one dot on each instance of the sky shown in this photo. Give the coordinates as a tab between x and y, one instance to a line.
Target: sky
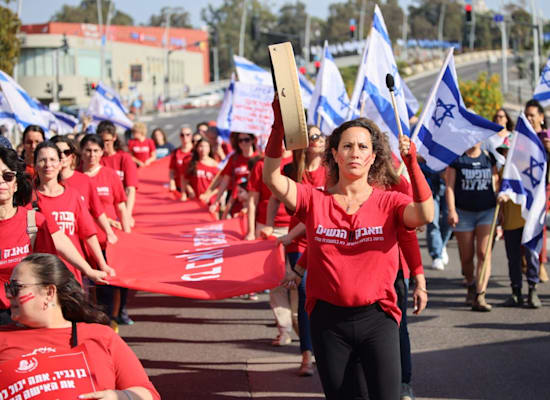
40	11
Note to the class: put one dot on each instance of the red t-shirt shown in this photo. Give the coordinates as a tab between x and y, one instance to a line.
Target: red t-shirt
352	259
178	163
15	244
256	184
142	150
124	166
201	179
410	259
112	363
317	179
109	189
71	216
236	168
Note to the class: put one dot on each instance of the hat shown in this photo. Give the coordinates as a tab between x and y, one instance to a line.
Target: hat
4	142
506	142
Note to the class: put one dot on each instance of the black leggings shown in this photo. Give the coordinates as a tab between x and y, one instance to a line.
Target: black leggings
339	334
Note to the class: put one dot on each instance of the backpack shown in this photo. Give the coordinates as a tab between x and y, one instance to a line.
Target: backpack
32	229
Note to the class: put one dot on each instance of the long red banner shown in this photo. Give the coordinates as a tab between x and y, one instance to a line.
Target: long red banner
178	249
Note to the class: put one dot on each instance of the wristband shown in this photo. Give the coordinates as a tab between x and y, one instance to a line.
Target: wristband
420	188
274	147
297	273
128	395
422	289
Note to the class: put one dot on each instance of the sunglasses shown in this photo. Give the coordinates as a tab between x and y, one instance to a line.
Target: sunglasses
185	134
315	137
245	140
8	176
67	152
13	287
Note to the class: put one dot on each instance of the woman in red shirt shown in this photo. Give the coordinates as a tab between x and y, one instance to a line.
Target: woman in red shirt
140	146
353	259
65	205
53	313
200	171
179	157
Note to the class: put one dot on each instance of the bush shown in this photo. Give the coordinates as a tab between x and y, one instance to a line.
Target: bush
483	95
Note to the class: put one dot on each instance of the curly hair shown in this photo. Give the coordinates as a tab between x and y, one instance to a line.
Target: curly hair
24	185
50	270
381	172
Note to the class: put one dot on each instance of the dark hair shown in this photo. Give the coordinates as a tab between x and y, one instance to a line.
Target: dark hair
234	139
106	126
535	103
509	123
50	270
381	172
195	158
161	132
94	139
71	143
24	186
299	159
201	124
33	128
46	145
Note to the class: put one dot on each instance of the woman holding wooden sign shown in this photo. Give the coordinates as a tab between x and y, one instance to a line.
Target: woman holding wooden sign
352	261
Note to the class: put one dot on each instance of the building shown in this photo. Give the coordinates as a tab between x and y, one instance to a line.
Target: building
137	61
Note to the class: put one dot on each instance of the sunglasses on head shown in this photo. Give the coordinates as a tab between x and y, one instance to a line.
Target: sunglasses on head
315	137
245	140
13	287
8	176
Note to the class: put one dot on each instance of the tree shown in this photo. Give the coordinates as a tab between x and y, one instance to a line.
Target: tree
179	18
483	95
9	43
86	12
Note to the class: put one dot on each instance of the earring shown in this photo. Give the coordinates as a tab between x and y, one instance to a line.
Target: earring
52	304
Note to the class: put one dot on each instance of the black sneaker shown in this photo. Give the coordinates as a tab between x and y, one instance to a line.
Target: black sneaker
124	319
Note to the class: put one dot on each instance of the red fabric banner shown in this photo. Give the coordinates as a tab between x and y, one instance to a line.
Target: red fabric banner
178	249
46	376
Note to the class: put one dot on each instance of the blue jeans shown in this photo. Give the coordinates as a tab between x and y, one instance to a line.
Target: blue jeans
402	289
303	318
438	231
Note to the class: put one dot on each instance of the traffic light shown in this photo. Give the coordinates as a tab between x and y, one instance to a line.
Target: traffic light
255	27
317	66
302	70
468	10
120	83
65	45
154	80
89	87
352	28
59	88
215	38
49	88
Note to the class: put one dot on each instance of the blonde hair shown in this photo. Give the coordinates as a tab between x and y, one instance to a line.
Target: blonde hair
140	127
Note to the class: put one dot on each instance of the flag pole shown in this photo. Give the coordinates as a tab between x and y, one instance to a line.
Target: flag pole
429	101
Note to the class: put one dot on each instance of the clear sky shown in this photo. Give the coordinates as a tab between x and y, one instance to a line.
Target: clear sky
39	11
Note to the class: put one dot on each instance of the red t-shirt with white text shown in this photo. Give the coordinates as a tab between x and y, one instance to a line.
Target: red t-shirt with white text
112	363
352	259
109	189
178	162
142	150
201	178
16	244
124	166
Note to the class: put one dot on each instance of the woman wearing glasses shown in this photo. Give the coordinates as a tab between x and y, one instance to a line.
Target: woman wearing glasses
24	231
179	158
65	205
52	312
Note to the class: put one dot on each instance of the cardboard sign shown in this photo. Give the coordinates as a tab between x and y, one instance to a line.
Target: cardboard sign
50	376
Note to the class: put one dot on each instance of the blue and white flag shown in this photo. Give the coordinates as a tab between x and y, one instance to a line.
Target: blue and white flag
223	121
542	91
523	180
377	62
412	102
446	129
25	110
106	105
65	123
7	118
329	105
250	73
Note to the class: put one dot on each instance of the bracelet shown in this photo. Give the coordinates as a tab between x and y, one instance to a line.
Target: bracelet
128	395
297	273
422	289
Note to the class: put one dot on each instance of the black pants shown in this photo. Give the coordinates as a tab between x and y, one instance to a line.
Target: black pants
339	334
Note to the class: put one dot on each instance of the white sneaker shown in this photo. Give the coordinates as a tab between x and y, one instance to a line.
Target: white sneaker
438	264
445	256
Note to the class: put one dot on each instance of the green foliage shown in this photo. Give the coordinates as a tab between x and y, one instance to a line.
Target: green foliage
179	18
349	74
9	43
86	12
483	95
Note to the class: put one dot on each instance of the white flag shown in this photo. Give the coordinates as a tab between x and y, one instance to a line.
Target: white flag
106	105
7	118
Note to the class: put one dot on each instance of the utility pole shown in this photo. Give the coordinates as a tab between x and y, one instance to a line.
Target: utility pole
307	38
19	10
441	22
243	28
102	49
104	41
55	91
504	42
167	54
536	60
362	19
473	30
405	33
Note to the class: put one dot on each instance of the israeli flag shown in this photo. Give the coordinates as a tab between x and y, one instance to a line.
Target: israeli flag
250	73
65	123
106	105
223	122
25	110
410	100
542	91
330	104
523	180
446	129
7	117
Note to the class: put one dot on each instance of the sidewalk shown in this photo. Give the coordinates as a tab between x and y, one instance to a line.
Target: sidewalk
221	349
